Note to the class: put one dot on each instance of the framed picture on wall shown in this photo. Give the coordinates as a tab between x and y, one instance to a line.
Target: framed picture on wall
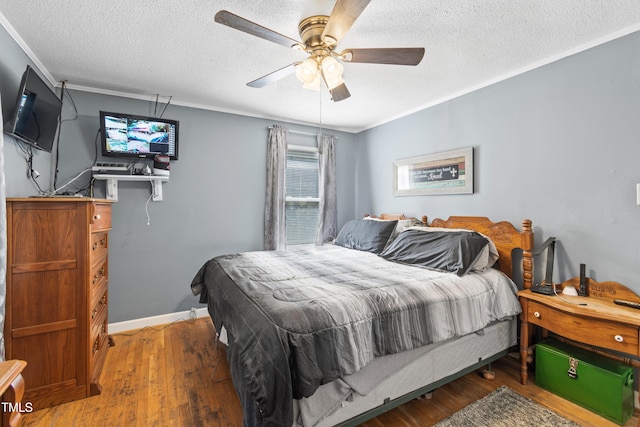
448	172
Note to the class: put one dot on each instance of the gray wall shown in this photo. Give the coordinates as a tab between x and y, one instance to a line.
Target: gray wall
559	145
213	203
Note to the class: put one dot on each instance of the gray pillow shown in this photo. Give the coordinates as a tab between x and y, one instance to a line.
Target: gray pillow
455	252
370	236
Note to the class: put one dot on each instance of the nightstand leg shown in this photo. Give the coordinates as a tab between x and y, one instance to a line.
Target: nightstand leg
524	342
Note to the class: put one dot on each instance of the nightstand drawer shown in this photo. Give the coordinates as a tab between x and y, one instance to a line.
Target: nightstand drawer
589	330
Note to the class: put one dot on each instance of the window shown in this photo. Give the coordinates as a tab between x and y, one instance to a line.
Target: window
302	195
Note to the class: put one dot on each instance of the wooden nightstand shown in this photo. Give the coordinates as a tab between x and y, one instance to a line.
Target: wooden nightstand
594	321
12	390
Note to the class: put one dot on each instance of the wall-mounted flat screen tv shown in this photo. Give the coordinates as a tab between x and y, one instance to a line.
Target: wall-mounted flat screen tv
128	135
36	114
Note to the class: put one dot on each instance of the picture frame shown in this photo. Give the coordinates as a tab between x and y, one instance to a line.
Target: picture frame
447	172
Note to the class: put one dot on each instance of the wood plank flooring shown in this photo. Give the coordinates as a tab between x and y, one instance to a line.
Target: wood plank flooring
174	375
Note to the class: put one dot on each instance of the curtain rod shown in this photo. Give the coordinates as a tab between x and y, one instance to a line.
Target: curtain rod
302	133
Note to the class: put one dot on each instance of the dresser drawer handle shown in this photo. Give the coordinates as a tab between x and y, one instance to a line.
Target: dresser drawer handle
537	314
94	313
96	217
619	338
95	246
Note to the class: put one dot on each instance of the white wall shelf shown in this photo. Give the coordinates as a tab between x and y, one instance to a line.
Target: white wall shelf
112	184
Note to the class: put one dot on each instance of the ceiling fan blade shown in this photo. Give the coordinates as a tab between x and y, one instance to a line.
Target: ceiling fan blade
396	56
342	17
234	21
272	77
339	93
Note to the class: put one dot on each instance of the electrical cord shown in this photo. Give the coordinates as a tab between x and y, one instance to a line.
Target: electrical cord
155	108
165	106
76	115
32	174
559	295
146	206
55	191
151	328
95	154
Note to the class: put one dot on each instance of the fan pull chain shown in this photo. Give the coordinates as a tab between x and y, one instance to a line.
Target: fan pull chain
320	112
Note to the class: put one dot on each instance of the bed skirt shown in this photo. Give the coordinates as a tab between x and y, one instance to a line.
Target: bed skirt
389	378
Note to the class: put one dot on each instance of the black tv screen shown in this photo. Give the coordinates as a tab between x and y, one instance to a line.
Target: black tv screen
128	135
36	114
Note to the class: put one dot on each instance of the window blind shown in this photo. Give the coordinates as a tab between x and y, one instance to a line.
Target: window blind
302	196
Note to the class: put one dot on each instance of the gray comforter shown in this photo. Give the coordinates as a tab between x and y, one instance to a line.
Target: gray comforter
297	319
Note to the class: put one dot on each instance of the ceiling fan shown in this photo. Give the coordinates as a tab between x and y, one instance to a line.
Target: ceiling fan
320	35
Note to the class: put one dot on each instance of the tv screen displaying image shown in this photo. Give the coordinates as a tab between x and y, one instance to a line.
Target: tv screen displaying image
36	113
126	135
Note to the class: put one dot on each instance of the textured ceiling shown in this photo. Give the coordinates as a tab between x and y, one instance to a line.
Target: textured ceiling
174	48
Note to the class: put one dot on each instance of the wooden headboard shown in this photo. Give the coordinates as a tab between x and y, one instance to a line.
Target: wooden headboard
504	235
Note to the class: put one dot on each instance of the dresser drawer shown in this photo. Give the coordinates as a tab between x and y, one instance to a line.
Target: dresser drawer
99	336
99	246
589	330
99	307
99	274
100	216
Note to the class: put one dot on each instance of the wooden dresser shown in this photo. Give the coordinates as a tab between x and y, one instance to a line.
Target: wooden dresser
57	295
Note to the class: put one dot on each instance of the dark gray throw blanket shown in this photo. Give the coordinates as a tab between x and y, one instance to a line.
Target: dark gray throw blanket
297	319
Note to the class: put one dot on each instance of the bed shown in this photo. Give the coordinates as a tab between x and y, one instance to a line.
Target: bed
337	334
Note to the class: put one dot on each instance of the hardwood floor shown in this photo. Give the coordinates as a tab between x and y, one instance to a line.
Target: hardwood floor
175	376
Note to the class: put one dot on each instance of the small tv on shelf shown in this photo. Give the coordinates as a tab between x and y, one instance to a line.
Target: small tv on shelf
129	135
36	115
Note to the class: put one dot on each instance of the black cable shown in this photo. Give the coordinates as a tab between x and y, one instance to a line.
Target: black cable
166	105
30	170
96	141
76	115
73	104
155	107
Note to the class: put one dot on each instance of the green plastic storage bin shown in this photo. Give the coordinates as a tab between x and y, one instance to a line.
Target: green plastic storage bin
595	382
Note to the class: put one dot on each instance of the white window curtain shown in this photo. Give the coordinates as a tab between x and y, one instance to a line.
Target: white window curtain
274	214
327	210
3	241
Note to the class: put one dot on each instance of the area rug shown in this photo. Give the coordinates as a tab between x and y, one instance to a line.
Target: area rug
505	407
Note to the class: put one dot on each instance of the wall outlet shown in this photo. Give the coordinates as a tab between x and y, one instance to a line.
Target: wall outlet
193	313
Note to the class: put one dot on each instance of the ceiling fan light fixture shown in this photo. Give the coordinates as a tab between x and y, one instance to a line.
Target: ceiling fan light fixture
307	70
332	71
314	84
331	68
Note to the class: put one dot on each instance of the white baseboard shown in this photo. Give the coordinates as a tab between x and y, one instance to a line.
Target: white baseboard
161	319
